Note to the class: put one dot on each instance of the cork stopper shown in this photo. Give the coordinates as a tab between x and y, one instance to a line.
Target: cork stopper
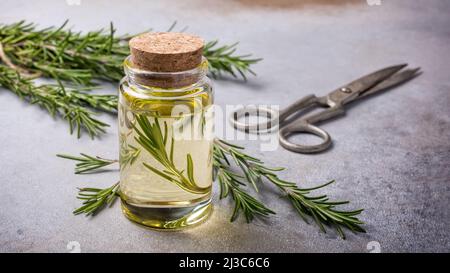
166	51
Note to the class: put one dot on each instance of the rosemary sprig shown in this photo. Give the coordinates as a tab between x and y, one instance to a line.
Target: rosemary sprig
95	199
319	208
322	210
104	103
87	163
222	59
230	184
128	155
59	52
152	139
70	104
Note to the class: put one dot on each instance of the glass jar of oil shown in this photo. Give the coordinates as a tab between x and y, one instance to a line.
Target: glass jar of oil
166	132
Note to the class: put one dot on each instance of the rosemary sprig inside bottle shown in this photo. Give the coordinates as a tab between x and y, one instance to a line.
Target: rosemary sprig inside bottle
232	184
154	141
128	155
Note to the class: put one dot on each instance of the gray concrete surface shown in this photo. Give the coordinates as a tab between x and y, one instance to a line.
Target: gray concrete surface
391	154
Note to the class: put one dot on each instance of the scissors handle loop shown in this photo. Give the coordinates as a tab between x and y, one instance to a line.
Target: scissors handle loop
271	115
304	127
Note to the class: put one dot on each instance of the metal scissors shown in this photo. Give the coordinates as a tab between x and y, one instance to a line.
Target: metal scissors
333	103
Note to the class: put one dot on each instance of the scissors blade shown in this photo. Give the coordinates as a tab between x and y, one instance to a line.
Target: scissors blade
395	80
365	83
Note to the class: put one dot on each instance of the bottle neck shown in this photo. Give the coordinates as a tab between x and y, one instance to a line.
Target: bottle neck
165	82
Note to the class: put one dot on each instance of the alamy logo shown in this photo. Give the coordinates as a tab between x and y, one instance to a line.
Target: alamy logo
373	2
73	2
373	247
74	247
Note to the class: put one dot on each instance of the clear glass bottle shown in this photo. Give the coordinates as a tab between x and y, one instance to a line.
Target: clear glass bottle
166	138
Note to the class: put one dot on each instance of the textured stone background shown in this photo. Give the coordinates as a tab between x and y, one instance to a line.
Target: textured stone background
391	153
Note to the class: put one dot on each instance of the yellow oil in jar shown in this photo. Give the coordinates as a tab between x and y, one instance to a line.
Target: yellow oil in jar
166	154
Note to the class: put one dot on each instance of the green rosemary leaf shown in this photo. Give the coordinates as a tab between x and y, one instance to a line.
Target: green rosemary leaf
165	133
95	202
318	187
128	155
190	168
172	26
158	172
227	144
172	144
88	163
